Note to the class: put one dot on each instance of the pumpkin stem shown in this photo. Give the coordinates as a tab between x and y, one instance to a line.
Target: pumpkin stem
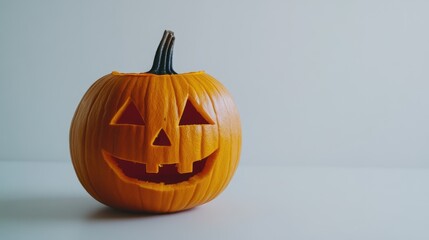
163	61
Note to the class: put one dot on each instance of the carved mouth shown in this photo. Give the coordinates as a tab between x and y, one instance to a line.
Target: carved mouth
167	173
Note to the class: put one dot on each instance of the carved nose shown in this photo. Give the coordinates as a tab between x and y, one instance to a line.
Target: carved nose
161	139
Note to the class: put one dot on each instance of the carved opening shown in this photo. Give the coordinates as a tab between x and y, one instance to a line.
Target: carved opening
191	116
128	114
161	139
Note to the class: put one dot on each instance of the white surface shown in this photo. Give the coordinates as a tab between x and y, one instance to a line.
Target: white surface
45	201
328	82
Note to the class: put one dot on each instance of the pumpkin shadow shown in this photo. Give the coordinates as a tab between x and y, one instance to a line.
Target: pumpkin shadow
65	208
42	208
105	213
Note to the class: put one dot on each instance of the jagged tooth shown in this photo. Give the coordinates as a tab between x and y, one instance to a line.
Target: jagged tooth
152	168
184	168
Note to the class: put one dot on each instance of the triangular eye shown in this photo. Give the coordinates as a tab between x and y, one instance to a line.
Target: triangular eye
128	114
191	116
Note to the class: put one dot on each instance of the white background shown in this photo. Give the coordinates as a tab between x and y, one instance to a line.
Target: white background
324	83
333	97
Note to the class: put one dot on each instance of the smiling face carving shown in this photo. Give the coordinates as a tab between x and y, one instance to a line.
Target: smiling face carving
164	171
158	143
160	135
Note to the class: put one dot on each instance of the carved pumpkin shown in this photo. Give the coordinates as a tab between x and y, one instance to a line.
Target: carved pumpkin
156	141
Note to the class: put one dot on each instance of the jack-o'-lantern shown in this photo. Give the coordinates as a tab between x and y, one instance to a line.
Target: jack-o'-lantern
156	141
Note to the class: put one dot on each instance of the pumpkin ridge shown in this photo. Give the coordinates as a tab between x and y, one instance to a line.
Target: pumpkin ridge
99	117
85	136
235	134
212	173
213	83
121	94
143	86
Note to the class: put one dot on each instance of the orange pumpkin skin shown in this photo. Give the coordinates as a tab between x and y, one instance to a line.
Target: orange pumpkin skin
100	141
